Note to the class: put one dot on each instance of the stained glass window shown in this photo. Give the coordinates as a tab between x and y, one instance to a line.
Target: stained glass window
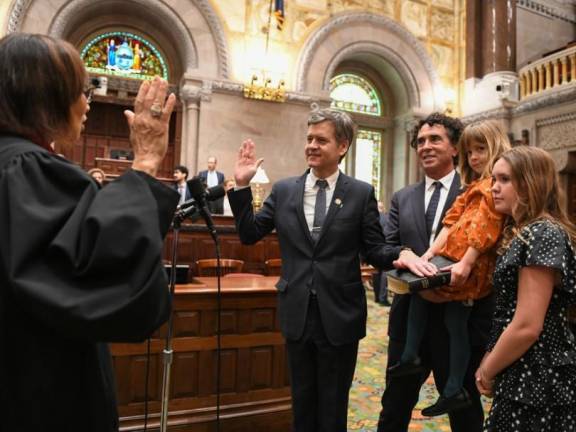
367	162
123	54
353	93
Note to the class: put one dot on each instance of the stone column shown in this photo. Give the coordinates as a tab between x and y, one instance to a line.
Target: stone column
492	82
192	94
498	36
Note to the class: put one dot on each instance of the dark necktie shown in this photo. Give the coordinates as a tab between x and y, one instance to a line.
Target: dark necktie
319	209
432	207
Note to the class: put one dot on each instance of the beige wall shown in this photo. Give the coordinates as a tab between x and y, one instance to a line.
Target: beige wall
552	33
4	8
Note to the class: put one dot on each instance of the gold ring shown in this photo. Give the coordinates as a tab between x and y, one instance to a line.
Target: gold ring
156	109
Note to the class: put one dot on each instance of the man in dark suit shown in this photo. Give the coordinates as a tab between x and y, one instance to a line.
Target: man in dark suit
434	139
324	220
212	178
181	183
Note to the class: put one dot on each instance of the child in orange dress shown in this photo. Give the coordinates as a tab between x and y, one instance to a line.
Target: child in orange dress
471	229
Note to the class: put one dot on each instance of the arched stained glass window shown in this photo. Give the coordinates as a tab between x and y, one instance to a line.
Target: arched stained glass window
123	54
353	93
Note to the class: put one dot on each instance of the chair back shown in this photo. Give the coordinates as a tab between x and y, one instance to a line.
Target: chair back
209	267
273	267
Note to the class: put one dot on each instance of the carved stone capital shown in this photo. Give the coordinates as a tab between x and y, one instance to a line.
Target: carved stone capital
193	93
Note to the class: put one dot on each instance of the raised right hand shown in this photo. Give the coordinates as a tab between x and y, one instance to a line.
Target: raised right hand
148	132
246	164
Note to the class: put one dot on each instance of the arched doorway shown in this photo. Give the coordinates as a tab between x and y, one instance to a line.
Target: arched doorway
354	92
401	72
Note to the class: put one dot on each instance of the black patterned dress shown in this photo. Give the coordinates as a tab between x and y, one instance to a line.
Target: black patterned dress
538	391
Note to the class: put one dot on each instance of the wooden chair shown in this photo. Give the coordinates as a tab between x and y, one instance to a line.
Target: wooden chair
208	267
273	267
243	275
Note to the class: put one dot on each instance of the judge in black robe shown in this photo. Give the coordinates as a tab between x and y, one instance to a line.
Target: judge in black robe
79	266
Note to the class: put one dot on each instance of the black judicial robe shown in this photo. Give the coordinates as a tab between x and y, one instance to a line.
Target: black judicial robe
79	266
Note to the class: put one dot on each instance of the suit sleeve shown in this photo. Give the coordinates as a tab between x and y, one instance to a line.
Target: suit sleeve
252	227
376	250
84	261
392	226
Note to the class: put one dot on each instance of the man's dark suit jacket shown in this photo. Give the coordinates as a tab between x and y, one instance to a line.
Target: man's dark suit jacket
332	265
188	194
216	206
407	227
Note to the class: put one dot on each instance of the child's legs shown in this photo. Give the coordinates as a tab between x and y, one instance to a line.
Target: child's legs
417	320
456	316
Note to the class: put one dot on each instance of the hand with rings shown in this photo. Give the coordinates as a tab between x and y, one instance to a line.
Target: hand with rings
156	110
149	125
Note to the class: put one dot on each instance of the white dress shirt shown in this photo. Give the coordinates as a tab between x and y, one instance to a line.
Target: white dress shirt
310	191
446	182
212	179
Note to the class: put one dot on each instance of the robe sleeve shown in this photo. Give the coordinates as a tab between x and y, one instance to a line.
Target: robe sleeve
84	261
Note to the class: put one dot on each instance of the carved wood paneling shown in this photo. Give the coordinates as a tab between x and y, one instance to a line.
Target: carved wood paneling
254	385
195	243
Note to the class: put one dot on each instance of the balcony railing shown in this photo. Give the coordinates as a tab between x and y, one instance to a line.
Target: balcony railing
553	72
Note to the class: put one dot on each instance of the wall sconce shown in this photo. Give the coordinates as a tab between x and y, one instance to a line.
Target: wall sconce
261	87
259	179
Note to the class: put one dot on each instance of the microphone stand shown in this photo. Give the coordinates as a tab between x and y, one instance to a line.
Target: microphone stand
168	352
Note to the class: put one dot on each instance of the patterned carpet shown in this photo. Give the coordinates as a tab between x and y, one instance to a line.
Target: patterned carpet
369	380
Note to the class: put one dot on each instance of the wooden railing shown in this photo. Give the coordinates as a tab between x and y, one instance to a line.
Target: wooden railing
553	72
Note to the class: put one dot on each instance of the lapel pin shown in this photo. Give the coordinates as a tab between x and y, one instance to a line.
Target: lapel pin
338	202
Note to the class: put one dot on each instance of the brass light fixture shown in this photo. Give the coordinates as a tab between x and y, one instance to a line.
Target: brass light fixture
262	88
264	84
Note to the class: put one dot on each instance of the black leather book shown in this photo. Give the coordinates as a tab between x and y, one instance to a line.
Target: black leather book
406	282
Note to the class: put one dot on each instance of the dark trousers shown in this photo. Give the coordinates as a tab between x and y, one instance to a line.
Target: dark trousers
321	375
401	394
456	315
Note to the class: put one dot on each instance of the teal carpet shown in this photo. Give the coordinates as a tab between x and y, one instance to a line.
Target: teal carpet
369	380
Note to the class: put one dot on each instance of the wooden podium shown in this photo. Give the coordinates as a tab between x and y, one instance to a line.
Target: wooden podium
254	383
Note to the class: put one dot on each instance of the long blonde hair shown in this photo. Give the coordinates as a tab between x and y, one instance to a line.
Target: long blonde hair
492	136
540	197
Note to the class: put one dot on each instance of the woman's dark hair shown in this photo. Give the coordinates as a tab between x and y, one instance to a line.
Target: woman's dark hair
40	79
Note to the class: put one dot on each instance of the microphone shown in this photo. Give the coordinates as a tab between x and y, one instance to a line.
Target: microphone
210	194
199	193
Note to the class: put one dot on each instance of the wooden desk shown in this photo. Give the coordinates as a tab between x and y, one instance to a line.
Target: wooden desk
196	243
254	384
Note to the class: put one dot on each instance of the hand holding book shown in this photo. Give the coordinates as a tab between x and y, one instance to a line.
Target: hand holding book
402	281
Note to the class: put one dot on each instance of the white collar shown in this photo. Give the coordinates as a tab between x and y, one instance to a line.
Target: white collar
446	180
331	179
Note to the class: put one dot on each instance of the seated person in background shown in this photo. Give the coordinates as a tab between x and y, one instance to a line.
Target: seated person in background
472	227
98	175
180	183
228	184
212	178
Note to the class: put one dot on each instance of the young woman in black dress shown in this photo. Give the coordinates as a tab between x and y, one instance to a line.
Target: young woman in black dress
530	366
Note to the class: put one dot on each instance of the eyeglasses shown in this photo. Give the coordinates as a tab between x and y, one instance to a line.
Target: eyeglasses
90	86
88	92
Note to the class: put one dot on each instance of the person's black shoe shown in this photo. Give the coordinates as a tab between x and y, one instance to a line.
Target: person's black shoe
445	405
384	303
403	369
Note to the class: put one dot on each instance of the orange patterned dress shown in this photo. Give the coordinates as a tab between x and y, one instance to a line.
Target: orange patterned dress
473	221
